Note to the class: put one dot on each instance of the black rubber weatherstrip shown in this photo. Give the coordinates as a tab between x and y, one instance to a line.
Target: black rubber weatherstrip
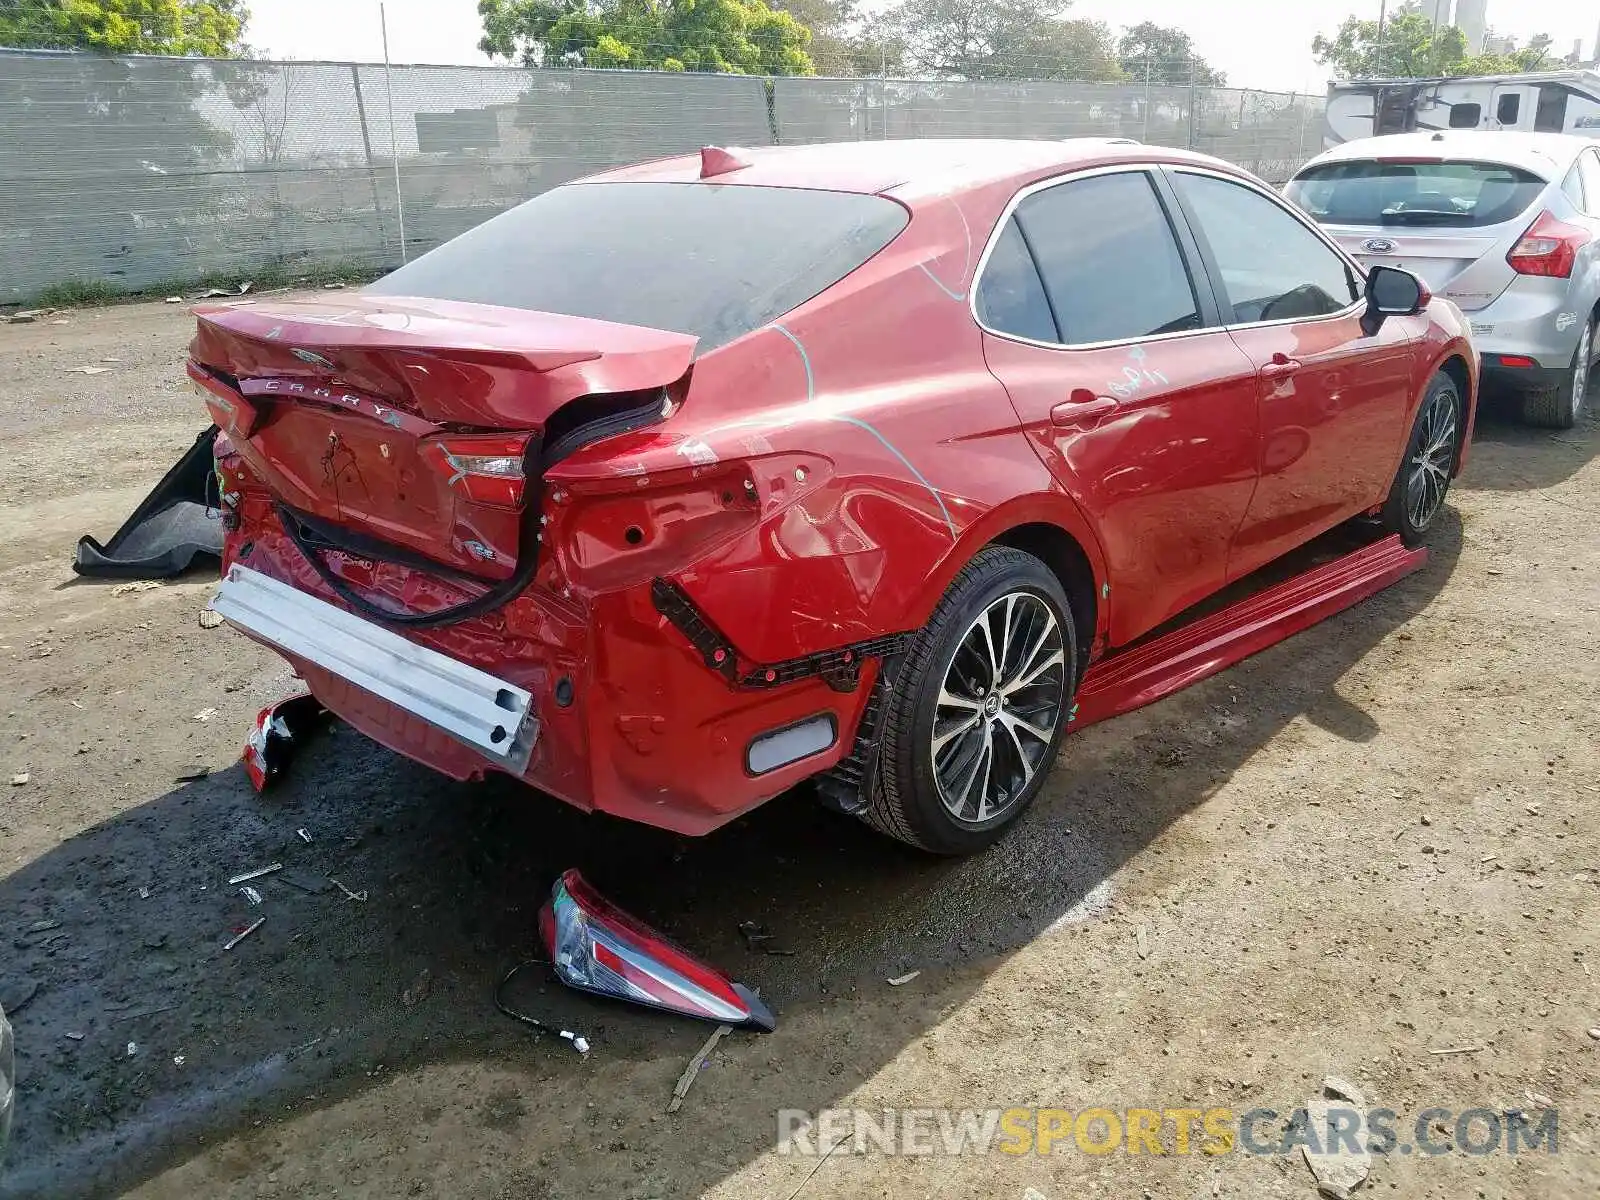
538	460
296	526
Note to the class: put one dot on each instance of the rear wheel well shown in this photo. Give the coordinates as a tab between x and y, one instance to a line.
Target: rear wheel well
1059	551
1460	374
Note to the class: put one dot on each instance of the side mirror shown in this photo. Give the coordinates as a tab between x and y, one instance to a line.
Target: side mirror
1391	292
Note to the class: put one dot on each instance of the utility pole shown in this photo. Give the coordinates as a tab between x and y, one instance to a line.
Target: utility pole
1145	137
1383	13
394	147
1192	100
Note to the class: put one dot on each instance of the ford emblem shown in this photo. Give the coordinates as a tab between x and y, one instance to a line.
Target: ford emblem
1378	245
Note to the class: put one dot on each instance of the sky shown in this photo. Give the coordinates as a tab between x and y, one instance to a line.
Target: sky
1259	43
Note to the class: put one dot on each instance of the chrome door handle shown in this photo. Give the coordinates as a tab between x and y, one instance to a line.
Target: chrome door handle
1281	367
1084	407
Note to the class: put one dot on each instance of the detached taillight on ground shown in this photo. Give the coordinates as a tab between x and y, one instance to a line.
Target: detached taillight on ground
1549	248
483	468
279	730
596	947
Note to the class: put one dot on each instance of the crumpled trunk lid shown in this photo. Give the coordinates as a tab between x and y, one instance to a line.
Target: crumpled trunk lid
350	408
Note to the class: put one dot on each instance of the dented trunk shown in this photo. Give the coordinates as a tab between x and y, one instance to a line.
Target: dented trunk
421	424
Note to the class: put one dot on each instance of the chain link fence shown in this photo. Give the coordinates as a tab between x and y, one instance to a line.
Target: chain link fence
143	172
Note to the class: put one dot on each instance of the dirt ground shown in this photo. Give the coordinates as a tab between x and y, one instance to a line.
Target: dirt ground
1369	844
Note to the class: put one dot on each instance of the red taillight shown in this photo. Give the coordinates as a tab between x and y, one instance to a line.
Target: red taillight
1519	361
1549	248
596	947
483	468
229	410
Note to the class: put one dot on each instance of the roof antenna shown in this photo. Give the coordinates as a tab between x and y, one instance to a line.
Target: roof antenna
715	160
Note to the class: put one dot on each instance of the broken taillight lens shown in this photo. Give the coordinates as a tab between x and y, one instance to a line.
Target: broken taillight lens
483	468
1549	248
278	732
596	947
229	410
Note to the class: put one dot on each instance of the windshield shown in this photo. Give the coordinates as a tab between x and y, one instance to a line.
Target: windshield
1373	192
713	260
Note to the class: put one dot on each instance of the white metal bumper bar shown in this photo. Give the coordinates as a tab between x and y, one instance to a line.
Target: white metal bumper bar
490	715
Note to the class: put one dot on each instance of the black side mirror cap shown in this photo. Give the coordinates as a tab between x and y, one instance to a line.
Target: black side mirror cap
1392	292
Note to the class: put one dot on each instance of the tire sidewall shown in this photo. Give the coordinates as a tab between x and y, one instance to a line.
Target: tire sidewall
1397	513
1576	400
912	753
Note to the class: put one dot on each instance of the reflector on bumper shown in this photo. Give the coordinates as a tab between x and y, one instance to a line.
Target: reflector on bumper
490	715
596	947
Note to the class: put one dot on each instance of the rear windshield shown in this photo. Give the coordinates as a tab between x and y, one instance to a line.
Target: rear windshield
1454	194
716	261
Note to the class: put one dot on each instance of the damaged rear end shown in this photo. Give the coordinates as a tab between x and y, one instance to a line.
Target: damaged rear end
457	519
381	465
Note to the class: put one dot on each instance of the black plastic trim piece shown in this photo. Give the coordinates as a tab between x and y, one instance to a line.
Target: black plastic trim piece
840	668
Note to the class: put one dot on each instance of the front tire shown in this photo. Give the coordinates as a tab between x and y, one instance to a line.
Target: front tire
1416	498
1561	407
980	705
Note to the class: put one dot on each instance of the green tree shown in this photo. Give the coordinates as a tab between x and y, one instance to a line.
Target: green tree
735	36
1411	48
205	28
1000	39
1167	53
1535	56
843	42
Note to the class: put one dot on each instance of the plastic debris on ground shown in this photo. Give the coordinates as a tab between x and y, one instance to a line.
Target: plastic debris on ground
279	730
244	933
596	947
171	526
255	873
696	1065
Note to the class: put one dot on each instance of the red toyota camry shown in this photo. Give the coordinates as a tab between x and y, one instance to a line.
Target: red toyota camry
646	491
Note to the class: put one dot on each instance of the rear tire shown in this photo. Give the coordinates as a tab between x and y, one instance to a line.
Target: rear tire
981	702
1561	407
1417	495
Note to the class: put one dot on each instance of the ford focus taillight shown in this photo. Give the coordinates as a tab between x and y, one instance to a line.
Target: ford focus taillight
1549	248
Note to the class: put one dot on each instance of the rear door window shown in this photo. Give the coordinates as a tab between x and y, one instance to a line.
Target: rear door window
1272	266
1109	260
1465	115
1011	295
713	260
1451	194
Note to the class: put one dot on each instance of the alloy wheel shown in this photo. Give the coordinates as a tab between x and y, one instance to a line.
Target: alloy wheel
1580	372
1433	459
998	707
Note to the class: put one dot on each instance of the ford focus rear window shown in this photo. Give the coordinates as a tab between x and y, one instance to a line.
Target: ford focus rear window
1451	194
716	261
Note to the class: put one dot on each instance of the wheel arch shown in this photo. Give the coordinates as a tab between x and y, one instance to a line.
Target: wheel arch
1054	530
1460	374
1067	561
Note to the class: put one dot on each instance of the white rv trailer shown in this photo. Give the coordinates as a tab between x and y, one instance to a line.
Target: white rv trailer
1549	102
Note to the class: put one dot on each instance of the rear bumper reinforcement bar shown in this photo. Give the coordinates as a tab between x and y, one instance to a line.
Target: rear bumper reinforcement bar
490	715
